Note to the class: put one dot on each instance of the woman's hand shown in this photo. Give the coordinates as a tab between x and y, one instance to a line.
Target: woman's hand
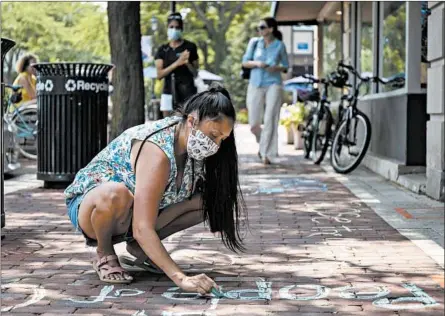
200	283
183	58
260	64
275	69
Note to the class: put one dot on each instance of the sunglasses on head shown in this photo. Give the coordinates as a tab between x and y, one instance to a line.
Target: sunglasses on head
261	27
175	17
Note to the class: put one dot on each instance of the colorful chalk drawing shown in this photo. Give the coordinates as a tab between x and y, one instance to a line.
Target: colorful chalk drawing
333	215
420	297
353	292
103	295
38	294
299	184
339	216
263	292
322	292
371	292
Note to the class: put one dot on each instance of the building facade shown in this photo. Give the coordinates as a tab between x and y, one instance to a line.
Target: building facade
388	39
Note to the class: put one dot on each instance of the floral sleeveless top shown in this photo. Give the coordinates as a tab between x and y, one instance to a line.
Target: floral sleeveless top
113	163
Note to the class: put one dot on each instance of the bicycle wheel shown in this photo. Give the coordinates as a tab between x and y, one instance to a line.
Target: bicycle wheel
26	123
321	133
351	142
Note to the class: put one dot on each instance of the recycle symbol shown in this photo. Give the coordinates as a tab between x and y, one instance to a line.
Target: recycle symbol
70	85
49	86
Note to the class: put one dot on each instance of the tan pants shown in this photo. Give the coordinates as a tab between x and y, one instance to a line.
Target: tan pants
267	101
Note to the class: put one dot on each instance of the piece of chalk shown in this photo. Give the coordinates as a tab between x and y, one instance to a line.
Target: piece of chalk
217	293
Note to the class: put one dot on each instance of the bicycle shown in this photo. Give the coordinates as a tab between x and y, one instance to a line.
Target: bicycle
319	125
22	122
345	141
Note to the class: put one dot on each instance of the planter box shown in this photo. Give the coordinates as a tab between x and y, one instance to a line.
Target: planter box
289	136
297	135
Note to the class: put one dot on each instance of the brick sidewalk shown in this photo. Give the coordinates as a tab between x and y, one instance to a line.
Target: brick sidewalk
313	249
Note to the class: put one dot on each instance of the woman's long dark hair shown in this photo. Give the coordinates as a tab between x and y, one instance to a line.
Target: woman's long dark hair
271	22
223	202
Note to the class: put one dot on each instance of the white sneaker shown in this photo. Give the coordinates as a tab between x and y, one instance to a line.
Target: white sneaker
271	160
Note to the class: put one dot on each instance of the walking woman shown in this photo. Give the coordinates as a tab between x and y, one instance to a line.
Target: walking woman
177	62
157	179
267	58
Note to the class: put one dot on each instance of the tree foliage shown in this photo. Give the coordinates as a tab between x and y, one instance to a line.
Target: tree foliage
55	31
221	30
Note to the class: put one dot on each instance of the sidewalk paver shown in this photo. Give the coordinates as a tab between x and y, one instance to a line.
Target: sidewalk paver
314	248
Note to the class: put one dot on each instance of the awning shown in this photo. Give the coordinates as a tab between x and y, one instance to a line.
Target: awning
150	72
208	76
306	12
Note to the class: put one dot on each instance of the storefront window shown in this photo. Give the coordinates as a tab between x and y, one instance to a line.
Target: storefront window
332	52
366	35
394	34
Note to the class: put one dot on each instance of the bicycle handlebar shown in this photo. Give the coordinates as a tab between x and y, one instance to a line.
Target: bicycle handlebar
14	88
341	64
367	79
315	80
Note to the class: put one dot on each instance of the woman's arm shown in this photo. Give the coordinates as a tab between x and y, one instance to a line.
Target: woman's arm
248	61
284	62
152	177
193	67
162	72
23	81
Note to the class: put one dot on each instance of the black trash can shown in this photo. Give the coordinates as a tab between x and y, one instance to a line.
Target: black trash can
73	112
7	44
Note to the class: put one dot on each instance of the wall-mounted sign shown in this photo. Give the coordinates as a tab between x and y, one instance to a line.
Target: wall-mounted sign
303	46
303	42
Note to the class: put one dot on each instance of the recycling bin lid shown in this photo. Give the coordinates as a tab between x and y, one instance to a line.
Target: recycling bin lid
7	44
72	69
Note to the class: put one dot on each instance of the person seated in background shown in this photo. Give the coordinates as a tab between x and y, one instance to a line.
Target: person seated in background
27	79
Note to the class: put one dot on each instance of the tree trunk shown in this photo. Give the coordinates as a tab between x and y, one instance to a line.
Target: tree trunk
205	51
220	51
125	45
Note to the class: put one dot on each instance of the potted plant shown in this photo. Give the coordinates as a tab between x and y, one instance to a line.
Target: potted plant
284	114
292	119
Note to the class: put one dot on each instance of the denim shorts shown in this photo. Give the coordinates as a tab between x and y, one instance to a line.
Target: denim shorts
73	213
72	205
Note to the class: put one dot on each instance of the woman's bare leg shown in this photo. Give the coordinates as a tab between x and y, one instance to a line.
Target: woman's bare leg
103	213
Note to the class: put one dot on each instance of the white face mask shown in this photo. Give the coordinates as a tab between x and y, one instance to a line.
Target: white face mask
200	146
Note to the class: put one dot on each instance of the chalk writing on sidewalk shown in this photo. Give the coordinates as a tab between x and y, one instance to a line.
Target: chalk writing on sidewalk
366	292
38	293
297	184
380	296
103	295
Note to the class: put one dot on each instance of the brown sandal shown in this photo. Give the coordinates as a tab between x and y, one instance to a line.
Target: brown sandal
103	270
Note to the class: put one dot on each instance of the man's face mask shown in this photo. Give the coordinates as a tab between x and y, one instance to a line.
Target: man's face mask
200	146
174	34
